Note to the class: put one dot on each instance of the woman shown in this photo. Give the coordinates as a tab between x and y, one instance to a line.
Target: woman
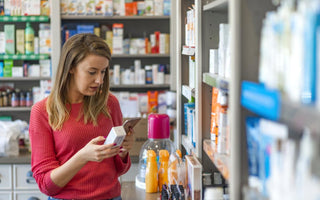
68	128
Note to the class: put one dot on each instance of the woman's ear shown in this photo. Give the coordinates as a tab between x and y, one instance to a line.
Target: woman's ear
71	71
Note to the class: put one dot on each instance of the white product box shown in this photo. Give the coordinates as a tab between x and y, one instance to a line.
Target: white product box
119	8
90	7
7	7
213	61
63	7
45	41
149	7
34	70
155	73
31	7
17	72
36	45
72	7
116	74
192	72
45	68
108	7
164	43
116	136
81	8
194	177
117	38
2	43
158	7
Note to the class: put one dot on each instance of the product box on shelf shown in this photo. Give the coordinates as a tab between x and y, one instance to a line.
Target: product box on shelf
63	7
17	72
119	7
30	7
117	38
72	7
9	31
90	7
158	7
2	43
194	171
20	41
45	7
7	70
149	7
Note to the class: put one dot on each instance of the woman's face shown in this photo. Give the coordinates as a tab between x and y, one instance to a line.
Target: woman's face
87	77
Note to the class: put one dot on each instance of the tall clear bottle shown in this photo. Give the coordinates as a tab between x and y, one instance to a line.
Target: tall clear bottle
29	39
151	173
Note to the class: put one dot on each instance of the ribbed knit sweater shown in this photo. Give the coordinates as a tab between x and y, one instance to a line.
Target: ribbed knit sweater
50	149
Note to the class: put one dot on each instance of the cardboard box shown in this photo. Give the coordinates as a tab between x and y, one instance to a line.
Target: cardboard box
9	31
140	136
20	41
194	171
116	136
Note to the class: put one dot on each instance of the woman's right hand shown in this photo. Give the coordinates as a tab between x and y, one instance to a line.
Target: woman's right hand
95	151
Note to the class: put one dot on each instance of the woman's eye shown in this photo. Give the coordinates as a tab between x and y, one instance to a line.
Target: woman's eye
92	73
103	72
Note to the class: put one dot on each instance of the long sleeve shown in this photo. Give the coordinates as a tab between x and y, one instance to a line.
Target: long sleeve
43	158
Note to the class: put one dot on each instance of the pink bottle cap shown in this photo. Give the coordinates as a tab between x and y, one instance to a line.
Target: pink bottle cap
158	126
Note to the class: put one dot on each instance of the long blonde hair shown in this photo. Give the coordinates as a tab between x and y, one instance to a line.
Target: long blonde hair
73	52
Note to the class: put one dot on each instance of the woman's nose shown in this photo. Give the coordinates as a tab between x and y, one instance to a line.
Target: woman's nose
99	79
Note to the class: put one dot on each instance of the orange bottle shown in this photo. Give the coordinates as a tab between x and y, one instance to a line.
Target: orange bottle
163	169
151	172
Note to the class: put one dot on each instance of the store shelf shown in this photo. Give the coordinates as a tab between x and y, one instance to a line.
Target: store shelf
188	92
25	57
146	86
187	145
15	109
215	81
217	5
24	19
95	17
188	51
140	55
221	161
24	78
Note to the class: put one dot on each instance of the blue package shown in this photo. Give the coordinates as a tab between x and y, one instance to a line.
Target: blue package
1	69
166	7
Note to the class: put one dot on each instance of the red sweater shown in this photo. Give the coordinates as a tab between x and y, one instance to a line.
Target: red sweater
50	149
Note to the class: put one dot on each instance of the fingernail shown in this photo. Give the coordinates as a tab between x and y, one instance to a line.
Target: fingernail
120	151
121	147
114	144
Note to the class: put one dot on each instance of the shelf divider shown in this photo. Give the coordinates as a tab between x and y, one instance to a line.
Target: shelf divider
15	109
24	57
97	17
24	18
214	80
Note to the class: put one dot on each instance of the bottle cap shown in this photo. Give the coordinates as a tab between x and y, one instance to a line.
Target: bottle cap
158	126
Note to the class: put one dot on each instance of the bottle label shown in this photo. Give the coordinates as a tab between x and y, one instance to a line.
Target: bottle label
29	43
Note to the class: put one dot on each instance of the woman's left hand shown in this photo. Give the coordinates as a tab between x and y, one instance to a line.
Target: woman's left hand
127	144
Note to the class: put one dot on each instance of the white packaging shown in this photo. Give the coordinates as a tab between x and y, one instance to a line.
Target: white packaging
108	8
36	94
192	72
142	76
45	88
117	40
17	72
223	44
2	43
162	43
149	7
194	177
158	7
143	103
63	7
90	7
31	7
34	70
119	8
160	77
116	136
72	7
45	68
155	73
162	105
36	45
137	68
7	7
81	8
213	61
45	41
116	74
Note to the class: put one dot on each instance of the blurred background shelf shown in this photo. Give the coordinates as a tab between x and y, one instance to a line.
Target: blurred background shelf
187	144
188	92
140	55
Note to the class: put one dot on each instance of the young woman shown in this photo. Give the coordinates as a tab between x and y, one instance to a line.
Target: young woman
68	128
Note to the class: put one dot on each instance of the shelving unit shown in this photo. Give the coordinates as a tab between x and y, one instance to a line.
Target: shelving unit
188	92
145	86
216	5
